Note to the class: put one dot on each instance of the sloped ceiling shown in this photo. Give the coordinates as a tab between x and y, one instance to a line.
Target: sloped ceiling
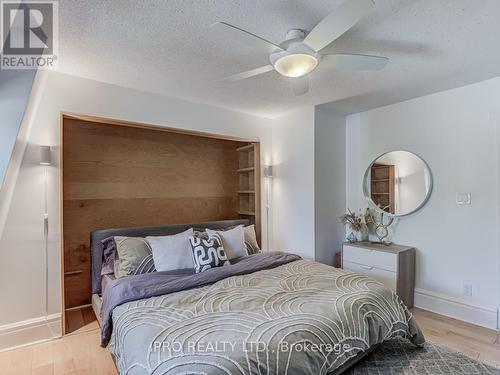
15	90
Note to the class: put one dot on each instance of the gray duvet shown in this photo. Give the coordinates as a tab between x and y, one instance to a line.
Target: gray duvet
290	316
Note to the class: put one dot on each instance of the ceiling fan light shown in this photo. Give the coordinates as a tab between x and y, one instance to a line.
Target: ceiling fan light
295	65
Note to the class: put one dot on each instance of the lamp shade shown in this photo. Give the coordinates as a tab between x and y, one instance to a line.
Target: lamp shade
45	155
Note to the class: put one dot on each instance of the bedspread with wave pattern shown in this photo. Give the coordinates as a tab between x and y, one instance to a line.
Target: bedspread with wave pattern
299	318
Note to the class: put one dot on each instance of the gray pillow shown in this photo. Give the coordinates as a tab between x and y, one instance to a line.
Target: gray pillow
233	241
251	240
133	256
172	252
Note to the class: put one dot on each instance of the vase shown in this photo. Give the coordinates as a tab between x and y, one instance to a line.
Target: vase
363	233
352	237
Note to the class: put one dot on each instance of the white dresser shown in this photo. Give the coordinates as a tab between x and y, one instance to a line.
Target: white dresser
392	265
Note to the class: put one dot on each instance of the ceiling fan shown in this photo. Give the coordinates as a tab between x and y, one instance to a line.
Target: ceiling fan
300	53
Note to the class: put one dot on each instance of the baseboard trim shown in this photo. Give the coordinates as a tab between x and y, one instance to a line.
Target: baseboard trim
456	308
29	332
29	323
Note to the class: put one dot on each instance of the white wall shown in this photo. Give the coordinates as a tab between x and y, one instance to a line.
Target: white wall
21	246
453	131
329	182
293	182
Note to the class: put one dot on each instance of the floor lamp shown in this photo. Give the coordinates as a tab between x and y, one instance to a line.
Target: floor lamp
46	161
268	174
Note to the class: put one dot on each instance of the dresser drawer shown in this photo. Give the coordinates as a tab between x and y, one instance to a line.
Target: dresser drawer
373	258
389	279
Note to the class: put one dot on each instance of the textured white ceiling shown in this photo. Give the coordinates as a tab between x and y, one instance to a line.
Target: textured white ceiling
168	47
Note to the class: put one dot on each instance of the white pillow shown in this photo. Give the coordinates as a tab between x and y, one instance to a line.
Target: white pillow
233	241
172	252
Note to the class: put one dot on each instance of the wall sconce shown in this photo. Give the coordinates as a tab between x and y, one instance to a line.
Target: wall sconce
268	174
268	171
45	156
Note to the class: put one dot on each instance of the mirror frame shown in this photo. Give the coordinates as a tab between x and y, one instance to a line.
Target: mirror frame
372	204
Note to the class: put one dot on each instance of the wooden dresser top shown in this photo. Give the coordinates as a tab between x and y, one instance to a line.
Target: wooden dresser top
393	248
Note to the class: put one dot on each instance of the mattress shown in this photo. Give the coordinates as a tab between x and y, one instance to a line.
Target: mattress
96	306
97	299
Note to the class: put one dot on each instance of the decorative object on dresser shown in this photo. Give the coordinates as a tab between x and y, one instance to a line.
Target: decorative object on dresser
392	265
380	225
358	224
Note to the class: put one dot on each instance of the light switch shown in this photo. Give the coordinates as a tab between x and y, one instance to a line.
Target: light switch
463	199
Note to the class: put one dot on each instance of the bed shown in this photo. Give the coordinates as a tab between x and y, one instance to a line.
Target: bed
272	312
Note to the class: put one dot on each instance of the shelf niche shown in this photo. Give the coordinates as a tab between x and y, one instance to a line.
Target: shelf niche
249	184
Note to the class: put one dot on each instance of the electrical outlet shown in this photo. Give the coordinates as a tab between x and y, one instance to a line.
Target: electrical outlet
467	290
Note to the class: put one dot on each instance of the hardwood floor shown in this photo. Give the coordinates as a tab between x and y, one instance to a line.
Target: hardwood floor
476	342
76	353
80	353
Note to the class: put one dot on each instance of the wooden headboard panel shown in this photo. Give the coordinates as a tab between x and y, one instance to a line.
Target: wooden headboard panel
123	176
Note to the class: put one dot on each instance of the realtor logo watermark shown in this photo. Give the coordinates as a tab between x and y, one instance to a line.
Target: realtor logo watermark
30	34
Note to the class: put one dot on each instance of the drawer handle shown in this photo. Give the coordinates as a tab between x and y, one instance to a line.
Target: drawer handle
367	268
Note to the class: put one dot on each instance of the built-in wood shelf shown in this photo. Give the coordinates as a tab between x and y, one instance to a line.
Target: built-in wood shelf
93	199
245	148
382	186
70	273
249	184
247	169
246	213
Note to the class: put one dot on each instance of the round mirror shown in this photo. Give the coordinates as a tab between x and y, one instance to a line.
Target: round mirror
398	183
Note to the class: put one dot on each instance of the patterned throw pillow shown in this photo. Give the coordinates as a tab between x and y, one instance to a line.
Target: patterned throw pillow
251	240
133	256
207	253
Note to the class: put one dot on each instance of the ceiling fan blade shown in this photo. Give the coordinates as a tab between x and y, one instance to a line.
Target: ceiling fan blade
249	73
345	16
300	85
247	37
354	62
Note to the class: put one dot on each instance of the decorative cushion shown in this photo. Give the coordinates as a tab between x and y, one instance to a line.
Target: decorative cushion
108	256
172	252
201	233
207	253
133	256
251	240
233	241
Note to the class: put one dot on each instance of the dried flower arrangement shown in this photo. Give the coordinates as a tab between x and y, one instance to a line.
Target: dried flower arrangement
361	224
353	220
364	223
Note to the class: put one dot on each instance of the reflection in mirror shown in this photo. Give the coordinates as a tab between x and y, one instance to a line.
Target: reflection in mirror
398	182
